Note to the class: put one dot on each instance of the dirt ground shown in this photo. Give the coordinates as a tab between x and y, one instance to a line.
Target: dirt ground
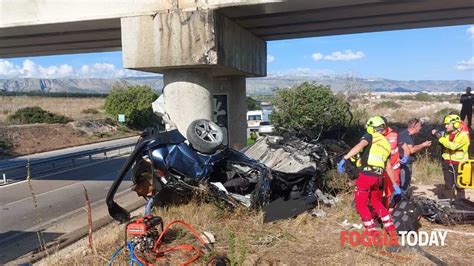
29	139
34	138
242	237
67	106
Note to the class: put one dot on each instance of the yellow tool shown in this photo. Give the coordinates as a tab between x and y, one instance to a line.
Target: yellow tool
465	178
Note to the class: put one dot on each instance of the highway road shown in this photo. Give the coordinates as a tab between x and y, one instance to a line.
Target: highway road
59	196
32	157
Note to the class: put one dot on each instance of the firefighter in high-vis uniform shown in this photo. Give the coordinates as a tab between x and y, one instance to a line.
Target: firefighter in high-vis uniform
455	142
375	159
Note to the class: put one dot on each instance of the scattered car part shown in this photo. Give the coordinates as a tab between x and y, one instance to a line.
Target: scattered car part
447	211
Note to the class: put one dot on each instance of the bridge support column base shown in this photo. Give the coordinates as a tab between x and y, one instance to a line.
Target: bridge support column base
192	94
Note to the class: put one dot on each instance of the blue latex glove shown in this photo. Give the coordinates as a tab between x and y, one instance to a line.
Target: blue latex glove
397	190
441	132
405	159
340	166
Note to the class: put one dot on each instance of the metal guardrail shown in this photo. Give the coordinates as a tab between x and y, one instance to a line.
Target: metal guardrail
56	160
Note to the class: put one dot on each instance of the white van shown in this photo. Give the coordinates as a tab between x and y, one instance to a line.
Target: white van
253	119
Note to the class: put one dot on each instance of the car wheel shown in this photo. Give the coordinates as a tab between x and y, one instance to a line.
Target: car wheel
204	135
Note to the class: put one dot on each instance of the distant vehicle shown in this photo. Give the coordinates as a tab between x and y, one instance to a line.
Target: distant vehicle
267	110
253	119
265	128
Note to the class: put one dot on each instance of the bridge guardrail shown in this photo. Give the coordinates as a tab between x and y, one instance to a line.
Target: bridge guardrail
55	160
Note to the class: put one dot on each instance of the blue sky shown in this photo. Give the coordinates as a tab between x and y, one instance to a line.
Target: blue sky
444	53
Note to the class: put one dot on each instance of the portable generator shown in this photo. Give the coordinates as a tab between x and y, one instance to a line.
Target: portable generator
143	232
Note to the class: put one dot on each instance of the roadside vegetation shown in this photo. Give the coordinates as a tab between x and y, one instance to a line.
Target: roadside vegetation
426	97
246	240
38	122
5	145
33	115
387	105
134	102
309	106
252	104
67	106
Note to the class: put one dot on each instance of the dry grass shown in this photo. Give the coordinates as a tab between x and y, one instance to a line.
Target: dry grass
70	107
408	109
243	237
426	170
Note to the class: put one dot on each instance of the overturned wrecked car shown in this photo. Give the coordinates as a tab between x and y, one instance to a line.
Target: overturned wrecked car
163	163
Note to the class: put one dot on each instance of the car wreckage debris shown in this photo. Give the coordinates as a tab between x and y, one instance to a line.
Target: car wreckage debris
298	168
284	176
446	211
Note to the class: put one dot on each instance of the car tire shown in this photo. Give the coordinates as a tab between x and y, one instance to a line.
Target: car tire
205	136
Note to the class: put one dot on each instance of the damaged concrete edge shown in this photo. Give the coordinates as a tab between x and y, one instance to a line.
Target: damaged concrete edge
70	238
195	39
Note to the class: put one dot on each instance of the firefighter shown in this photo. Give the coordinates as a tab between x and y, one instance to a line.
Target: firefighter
455	142
374	160
392	137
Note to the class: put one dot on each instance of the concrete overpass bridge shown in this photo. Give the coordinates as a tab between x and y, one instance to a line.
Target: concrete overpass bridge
204	48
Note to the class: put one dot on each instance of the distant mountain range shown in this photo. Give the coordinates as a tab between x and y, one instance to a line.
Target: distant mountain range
255	86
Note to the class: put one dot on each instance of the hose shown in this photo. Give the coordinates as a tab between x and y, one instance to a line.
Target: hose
197	252
149	205
133	257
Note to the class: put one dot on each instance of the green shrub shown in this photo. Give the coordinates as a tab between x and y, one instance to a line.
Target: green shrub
91	111
252	104
134	102
32	115
309	106
440	114
359	116
387	105
407	97
423	97
446	111
5	144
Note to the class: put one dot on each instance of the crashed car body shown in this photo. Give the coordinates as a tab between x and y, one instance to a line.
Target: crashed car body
162	162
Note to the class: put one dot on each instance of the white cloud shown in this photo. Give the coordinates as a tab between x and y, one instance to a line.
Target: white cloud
346	55
30	69
470	31
8	69
270	58
303	71
317	56
466	65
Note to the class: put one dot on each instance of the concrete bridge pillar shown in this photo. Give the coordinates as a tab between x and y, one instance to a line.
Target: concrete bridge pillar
192	94
204	58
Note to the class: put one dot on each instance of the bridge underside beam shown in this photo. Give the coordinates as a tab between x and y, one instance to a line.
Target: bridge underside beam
63	38
300	18
271	20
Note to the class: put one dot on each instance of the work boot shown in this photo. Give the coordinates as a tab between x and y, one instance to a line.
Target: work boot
460	193
448	194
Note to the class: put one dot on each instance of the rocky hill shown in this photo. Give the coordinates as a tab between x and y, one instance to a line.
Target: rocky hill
255	86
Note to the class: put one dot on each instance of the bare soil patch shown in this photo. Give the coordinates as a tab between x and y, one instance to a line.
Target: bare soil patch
29	139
